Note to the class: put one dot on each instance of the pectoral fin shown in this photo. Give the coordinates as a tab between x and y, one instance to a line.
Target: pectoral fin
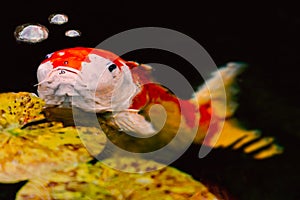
129	121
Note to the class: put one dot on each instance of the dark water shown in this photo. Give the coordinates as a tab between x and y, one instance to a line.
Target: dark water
265	37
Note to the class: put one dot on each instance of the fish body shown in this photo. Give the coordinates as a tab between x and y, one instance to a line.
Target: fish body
97	80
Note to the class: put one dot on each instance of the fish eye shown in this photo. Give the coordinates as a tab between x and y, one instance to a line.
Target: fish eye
66	62
112	67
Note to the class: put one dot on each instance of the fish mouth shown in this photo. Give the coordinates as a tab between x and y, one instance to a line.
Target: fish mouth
64	101
63	95
67	103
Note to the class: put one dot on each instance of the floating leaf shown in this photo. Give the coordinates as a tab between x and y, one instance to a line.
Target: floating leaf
34	150
17	109
87	181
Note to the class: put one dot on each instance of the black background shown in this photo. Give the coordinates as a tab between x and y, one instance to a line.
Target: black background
264	36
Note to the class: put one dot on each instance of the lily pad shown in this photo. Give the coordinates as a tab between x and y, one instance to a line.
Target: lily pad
32	151
88	181
17	109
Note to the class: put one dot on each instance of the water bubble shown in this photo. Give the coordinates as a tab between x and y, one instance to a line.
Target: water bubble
31	33
73	33
58	19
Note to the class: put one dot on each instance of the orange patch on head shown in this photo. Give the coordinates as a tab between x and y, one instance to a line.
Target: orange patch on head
74	57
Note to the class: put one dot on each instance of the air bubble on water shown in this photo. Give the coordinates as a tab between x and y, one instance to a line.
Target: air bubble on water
31	33
73	33
58	19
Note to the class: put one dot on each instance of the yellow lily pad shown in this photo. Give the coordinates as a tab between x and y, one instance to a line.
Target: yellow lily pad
17	109
37	149
98	181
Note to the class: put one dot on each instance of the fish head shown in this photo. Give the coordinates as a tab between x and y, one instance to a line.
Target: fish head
98	79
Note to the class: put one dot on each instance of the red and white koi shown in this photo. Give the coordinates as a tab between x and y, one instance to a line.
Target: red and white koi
102	81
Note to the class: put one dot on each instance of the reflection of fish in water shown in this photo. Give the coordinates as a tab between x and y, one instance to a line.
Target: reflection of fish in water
99	81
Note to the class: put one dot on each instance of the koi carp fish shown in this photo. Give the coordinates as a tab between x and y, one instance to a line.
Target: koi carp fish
104	82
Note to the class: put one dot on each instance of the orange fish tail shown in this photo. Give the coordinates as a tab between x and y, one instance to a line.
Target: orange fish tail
217	126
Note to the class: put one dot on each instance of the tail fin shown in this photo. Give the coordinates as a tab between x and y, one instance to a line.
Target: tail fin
251	142
226	131
213	89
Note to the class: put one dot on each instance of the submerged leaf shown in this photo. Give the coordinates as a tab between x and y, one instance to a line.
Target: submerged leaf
37	149
87	181
43	148
17	109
